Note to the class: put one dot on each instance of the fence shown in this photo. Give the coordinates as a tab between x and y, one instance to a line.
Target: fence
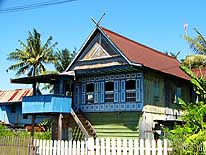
102	147
15	146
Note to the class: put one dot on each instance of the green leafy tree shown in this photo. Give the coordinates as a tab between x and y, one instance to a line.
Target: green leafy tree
198	46
198	43
188	138
64	58
33	55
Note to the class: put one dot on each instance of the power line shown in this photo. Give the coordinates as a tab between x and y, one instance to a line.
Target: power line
34	6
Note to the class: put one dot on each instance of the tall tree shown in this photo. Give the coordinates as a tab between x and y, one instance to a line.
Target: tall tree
198	43
64	58
198	46
32	55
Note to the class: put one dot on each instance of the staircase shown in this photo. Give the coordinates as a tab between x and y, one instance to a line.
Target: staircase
84	127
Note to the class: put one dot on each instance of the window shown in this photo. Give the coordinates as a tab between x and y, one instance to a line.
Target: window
109	91
131	91
25	116
90	93
13	108
156	91
178	94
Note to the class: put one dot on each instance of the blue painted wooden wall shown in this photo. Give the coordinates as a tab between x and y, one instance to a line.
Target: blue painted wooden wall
16	118
46	104
119	104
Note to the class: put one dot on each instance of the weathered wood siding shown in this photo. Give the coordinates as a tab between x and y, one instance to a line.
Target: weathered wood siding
115	124
167	90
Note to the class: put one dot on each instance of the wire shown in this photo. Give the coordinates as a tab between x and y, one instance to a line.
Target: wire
34	6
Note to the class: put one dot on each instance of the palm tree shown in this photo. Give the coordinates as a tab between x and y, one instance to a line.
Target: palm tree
64	58
198	46
33	55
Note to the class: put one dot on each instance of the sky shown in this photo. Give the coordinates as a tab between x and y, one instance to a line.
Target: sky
155	23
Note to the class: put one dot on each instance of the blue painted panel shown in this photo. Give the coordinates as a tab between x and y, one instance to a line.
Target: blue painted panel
46	104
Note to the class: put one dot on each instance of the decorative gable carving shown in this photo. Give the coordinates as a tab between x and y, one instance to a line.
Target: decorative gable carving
96	52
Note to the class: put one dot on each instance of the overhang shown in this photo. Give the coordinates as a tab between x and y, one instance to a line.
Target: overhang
49	78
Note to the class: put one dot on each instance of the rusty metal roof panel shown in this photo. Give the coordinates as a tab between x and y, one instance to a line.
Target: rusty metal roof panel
10	96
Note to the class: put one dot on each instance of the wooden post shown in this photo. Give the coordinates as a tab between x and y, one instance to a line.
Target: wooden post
33	122
60	127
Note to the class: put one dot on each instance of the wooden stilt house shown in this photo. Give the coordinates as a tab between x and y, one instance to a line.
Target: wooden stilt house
119	88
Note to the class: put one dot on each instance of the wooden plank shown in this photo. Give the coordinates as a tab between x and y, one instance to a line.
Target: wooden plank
97	146
159	145
131	152
58	147
113	146
70	152
47	147
51	147
66	147
83	152
124	146
142	149
78	148
153	147
119	146
74	150
60	127
102	148
165	141
79	123
136	147
147	146
44	147
62	147
55	148
107	145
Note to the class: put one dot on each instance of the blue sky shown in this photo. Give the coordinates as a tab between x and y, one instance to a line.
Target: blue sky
158	24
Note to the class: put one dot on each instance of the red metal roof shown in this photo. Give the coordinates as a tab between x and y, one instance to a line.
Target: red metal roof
200	72
10	96
148	57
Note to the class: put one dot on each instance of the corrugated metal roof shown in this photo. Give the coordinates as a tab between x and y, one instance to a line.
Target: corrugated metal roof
200	72
141	54
9	96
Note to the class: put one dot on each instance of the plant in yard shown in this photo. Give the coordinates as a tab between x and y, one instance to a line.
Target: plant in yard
188	138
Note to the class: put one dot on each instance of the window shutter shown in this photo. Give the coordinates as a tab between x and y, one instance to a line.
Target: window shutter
138	94
116	95
122	91
76	95
96	88
83	93
102	93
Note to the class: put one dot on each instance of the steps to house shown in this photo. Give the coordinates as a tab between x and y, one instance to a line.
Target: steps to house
84	126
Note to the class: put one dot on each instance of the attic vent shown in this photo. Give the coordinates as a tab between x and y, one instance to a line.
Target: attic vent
96	52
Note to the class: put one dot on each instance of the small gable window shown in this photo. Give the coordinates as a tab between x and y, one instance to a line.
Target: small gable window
90	93
109	91
96	52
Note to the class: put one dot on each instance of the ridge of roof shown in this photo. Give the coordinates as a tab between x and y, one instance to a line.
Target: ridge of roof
120	35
